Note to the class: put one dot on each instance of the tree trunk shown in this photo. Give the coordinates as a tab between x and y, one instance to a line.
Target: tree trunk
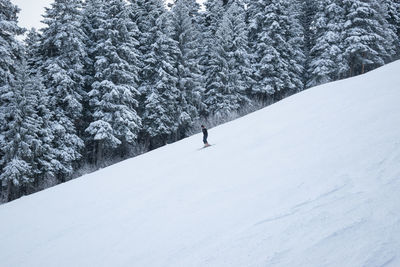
99	150
94	154
124	151
9	191
351	70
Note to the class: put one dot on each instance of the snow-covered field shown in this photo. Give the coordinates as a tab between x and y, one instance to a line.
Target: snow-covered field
311	181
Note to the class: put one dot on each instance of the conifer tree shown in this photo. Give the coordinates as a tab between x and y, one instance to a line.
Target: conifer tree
149	11
210	22
12	49
162	96
44	156
10	60
27	157
114	93
93	22
307	10
158	76
22	142
368	39
237	45
392	15
185	31
227	82
277	40
326	56
63	55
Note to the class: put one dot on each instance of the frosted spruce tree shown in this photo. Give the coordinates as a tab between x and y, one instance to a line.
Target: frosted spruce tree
185	31
93	20
236	44
10	60
368	39
307	10
63	55
276	39
146	16
114	94
227	80
18	133
211	19
326	56
162	106
27	155
158	75
392	15
210	22
12	49
27	162
45	153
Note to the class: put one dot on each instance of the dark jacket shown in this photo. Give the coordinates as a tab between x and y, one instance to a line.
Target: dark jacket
205	133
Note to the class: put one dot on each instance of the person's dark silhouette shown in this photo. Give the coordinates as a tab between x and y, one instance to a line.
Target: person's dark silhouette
205	135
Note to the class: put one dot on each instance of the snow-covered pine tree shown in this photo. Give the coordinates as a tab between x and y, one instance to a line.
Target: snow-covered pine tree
210	22
10	60
158	75
23	159
185	31
45	160
148	13
93	19
63	55
392	15
12	49
307	10
114	94
326	56
211	19
368	39
227	82
277	40
295	37
239	52
162	96
44	152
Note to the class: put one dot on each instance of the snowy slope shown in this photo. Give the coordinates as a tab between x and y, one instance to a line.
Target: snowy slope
311	181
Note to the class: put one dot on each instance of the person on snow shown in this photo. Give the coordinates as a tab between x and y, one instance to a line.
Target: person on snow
205	135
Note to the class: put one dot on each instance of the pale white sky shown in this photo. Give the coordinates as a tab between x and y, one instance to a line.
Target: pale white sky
32	11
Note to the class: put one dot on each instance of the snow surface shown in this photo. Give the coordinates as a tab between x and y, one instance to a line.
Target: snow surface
313	180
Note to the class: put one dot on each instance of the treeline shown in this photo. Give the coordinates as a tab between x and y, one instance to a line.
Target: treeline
105	80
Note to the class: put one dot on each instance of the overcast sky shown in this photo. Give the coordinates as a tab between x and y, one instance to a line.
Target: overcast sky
32	11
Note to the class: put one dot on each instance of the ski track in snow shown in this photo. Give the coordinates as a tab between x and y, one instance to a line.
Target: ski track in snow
310	181
297	207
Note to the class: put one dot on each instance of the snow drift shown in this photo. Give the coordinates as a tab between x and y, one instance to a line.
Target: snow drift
313	180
